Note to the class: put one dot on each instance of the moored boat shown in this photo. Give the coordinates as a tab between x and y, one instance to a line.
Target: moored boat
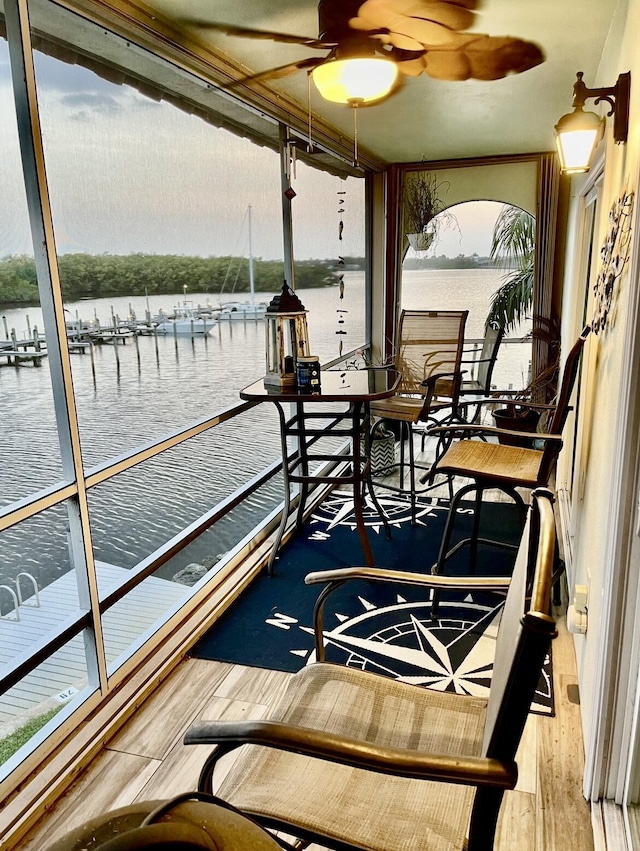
236	311
185	320
239	311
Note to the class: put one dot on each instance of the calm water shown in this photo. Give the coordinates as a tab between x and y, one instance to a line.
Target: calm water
159	385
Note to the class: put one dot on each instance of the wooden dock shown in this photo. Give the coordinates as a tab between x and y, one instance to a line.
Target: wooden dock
15	357
15	352
64	673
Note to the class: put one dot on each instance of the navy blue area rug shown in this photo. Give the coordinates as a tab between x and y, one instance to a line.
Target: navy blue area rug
384	628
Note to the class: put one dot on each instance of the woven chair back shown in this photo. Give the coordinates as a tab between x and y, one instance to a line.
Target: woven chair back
429	343
488	356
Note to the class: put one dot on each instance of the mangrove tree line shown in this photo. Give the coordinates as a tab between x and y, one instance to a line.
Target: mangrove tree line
106	275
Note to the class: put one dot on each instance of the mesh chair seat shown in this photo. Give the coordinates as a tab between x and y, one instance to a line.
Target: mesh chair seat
373	708
476	459
405	408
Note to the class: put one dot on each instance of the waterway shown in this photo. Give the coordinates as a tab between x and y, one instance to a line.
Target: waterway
140	391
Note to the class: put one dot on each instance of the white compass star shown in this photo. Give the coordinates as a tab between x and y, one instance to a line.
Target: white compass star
464	663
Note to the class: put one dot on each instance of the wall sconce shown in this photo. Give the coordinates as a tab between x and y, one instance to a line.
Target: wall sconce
578	133
287	337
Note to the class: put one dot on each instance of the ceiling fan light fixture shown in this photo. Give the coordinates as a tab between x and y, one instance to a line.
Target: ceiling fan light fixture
355	79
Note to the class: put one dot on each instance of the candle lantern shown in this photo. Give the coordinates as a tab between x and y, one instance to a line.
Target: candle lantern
287	337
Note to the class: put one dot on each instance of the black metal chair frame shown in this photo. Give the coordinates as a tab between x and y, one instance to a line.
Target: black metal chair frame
552	443
528	630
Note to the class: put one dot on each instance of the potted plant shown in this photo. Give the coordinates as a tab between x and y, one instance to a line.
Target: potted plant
516	417
424	210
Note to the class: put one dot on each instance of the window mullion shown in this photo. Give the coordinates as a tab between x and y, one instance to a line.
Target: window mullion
34	173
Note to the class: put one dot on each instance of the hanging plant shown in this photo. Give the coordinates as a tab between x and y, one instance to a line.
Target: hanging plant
425	213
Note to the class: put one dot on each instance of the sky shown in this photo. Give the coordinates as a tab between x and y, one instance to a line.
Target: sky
129	174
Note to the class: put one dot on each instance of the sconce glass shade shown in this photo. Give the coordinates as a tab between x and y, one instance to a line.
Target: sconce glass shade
577	136
356	79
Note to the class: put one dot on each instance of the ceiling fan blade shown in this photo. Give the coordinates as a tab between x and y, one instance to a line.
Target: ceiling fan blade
480	57
267	35
275	73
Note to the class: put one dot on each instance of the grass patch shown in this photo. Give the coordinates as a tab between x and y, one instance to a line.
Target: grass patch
16	740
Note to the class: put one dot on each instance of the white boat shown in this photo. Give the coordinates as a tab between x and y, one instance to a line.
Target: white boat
236	311
240	311
185	321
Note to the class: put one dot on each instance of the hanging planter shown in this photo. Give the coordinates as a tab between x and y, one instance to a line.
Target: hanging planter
421	241
424	212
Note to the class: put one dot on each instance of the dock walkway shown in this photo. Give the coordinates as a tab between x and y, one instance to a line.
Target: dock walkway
64	673
14	352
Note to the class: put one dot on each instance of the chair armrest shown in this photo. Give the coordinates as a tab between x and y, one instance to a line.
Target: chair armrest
521	403
475	360
334	579
430	389
463	429
377	574
506	400
358	754
373	366
431	381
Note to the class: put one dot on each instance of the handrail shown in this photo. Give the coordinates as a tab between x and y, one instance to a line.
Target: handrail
34	585
508	341
16	605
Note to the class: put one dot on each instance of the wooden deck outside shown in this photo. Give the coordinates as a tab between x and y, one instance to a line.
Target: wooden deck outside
147	760
65	671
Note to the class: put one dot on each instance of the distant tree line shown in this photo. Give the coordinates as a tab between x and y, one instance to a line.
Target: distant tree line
105	275
462	261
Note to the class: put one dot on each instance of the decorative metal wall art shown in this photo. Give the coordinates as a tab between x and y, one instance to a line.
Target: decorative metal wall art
613	256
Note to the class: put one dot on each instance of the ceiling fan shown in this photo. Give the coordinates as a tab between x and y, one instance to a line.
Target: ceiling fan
372	43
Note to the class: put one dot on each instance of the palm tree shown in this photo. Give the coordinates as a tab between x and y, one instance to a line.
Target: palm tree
513	242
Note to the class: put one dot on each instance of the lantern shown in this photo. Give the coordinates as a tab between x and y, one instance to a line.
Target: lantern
287	337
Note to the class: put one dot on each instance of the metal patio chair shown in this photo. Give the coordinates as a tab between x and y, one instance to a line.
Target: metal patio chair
474	389
429	351
492	465
356	760
483	364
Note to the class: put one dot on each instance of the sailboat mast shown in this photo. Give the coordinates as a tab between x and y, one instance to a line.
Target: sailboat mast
251	284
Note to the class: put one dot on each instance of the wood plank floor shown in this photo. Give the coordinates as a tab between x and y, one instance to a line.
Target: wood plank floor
147	760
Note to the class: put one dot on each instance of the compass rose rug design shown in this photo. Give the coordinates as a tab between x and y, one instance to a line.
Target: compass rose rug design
386	629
